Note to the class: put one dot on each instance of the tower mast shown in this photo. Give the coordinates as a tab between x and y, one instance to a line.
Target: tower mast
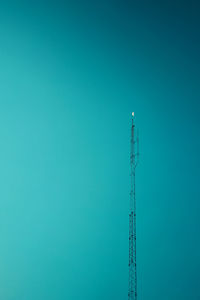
132	288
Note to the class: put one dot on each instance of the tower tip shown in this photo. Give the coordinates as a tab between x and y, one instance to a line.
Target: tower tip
133	115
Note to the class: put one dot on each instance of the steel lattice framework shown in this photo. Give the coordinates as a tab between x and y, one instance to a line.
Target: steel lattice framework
134	158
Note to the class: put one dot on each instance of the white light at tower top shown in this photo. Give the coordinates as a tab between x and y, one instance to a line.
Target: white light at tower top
132	114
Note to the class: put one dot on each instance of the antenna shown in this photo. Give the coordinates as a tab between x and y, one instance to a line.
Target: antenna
134	159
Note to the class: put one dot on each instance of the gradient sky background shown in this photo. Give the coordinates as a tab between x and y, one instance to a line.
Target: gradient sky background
71	73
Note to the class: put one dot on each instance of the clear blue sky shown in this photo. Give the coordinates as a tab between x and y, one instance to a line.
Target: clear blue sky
71	73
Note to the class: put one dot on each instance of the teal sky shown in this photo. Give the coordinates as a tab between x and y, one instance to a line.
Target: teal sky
71	73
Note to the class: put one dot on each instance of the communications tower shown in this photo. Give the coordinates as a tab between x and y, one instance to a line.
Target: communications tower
134	158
